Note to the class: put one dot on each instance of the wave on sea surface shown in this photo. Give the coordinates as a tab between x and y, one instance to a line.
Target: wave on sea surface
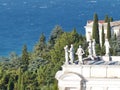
43	6
93	1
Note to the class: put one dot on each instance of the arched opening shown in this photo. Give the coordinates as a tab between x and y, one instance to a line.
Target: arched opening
71	81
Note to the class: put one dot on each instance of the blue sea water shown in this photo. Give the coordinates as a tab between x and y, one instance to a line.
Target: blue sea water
22	21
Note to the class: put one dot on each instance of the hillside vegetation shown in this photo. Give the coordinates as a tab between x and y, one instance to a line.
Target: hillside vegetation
36	70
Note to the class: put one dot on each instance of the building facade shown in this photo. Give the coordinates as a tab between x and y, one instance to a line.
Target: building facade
115	29
94	75
90	73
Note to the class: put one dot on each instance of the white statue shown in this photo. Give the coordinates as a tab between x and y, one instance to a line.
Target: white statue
71	54
107	47
90	48
66	54
93	47
80	52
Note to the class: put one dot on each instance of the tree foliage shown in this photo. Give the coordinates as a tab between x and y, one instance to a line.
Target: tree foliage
36	70
103	36
67	38
106	18
111	19
40	46
56	33
10	84
25	55
108	30
95	29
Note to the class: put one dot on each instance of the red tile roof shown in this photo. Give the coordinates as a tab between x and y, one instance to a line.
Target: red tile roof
100	21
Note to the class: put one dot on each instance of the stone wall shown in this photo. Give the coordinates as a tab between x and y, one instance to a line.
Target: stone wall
89	77
110	58
94	71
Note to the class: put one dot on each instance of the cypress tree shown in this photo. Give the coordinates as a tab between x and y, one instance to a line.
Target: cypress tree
25	56
111	19
95	29
22	84
40	47
106	18
42	41
103	36
10	85
108	30
19	79
55	34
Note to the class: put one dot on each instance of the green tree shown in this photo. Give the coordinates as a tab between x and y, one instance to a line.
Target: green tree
19	78
106	18
74	36
95	29
111	19
98	49
55	87
10	84
42	42
108	30
25	55
25	58
45	75
114	43
57	53
103	36
56	33
22	83
40	47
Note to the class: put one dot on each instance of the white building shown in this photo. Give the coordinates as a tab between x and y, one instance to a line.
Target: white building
115	29
96	72
94	75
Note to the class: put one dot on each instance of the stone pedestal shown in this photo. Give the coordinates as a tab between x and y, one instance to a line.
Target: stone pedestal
106	58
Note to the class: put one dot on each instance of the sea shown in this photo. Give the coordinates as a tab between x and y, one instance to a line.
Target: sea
23	21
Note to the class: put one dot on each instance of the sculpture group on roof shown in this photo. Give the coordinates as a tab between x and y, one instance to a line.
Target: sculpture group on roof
69	53
91	48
